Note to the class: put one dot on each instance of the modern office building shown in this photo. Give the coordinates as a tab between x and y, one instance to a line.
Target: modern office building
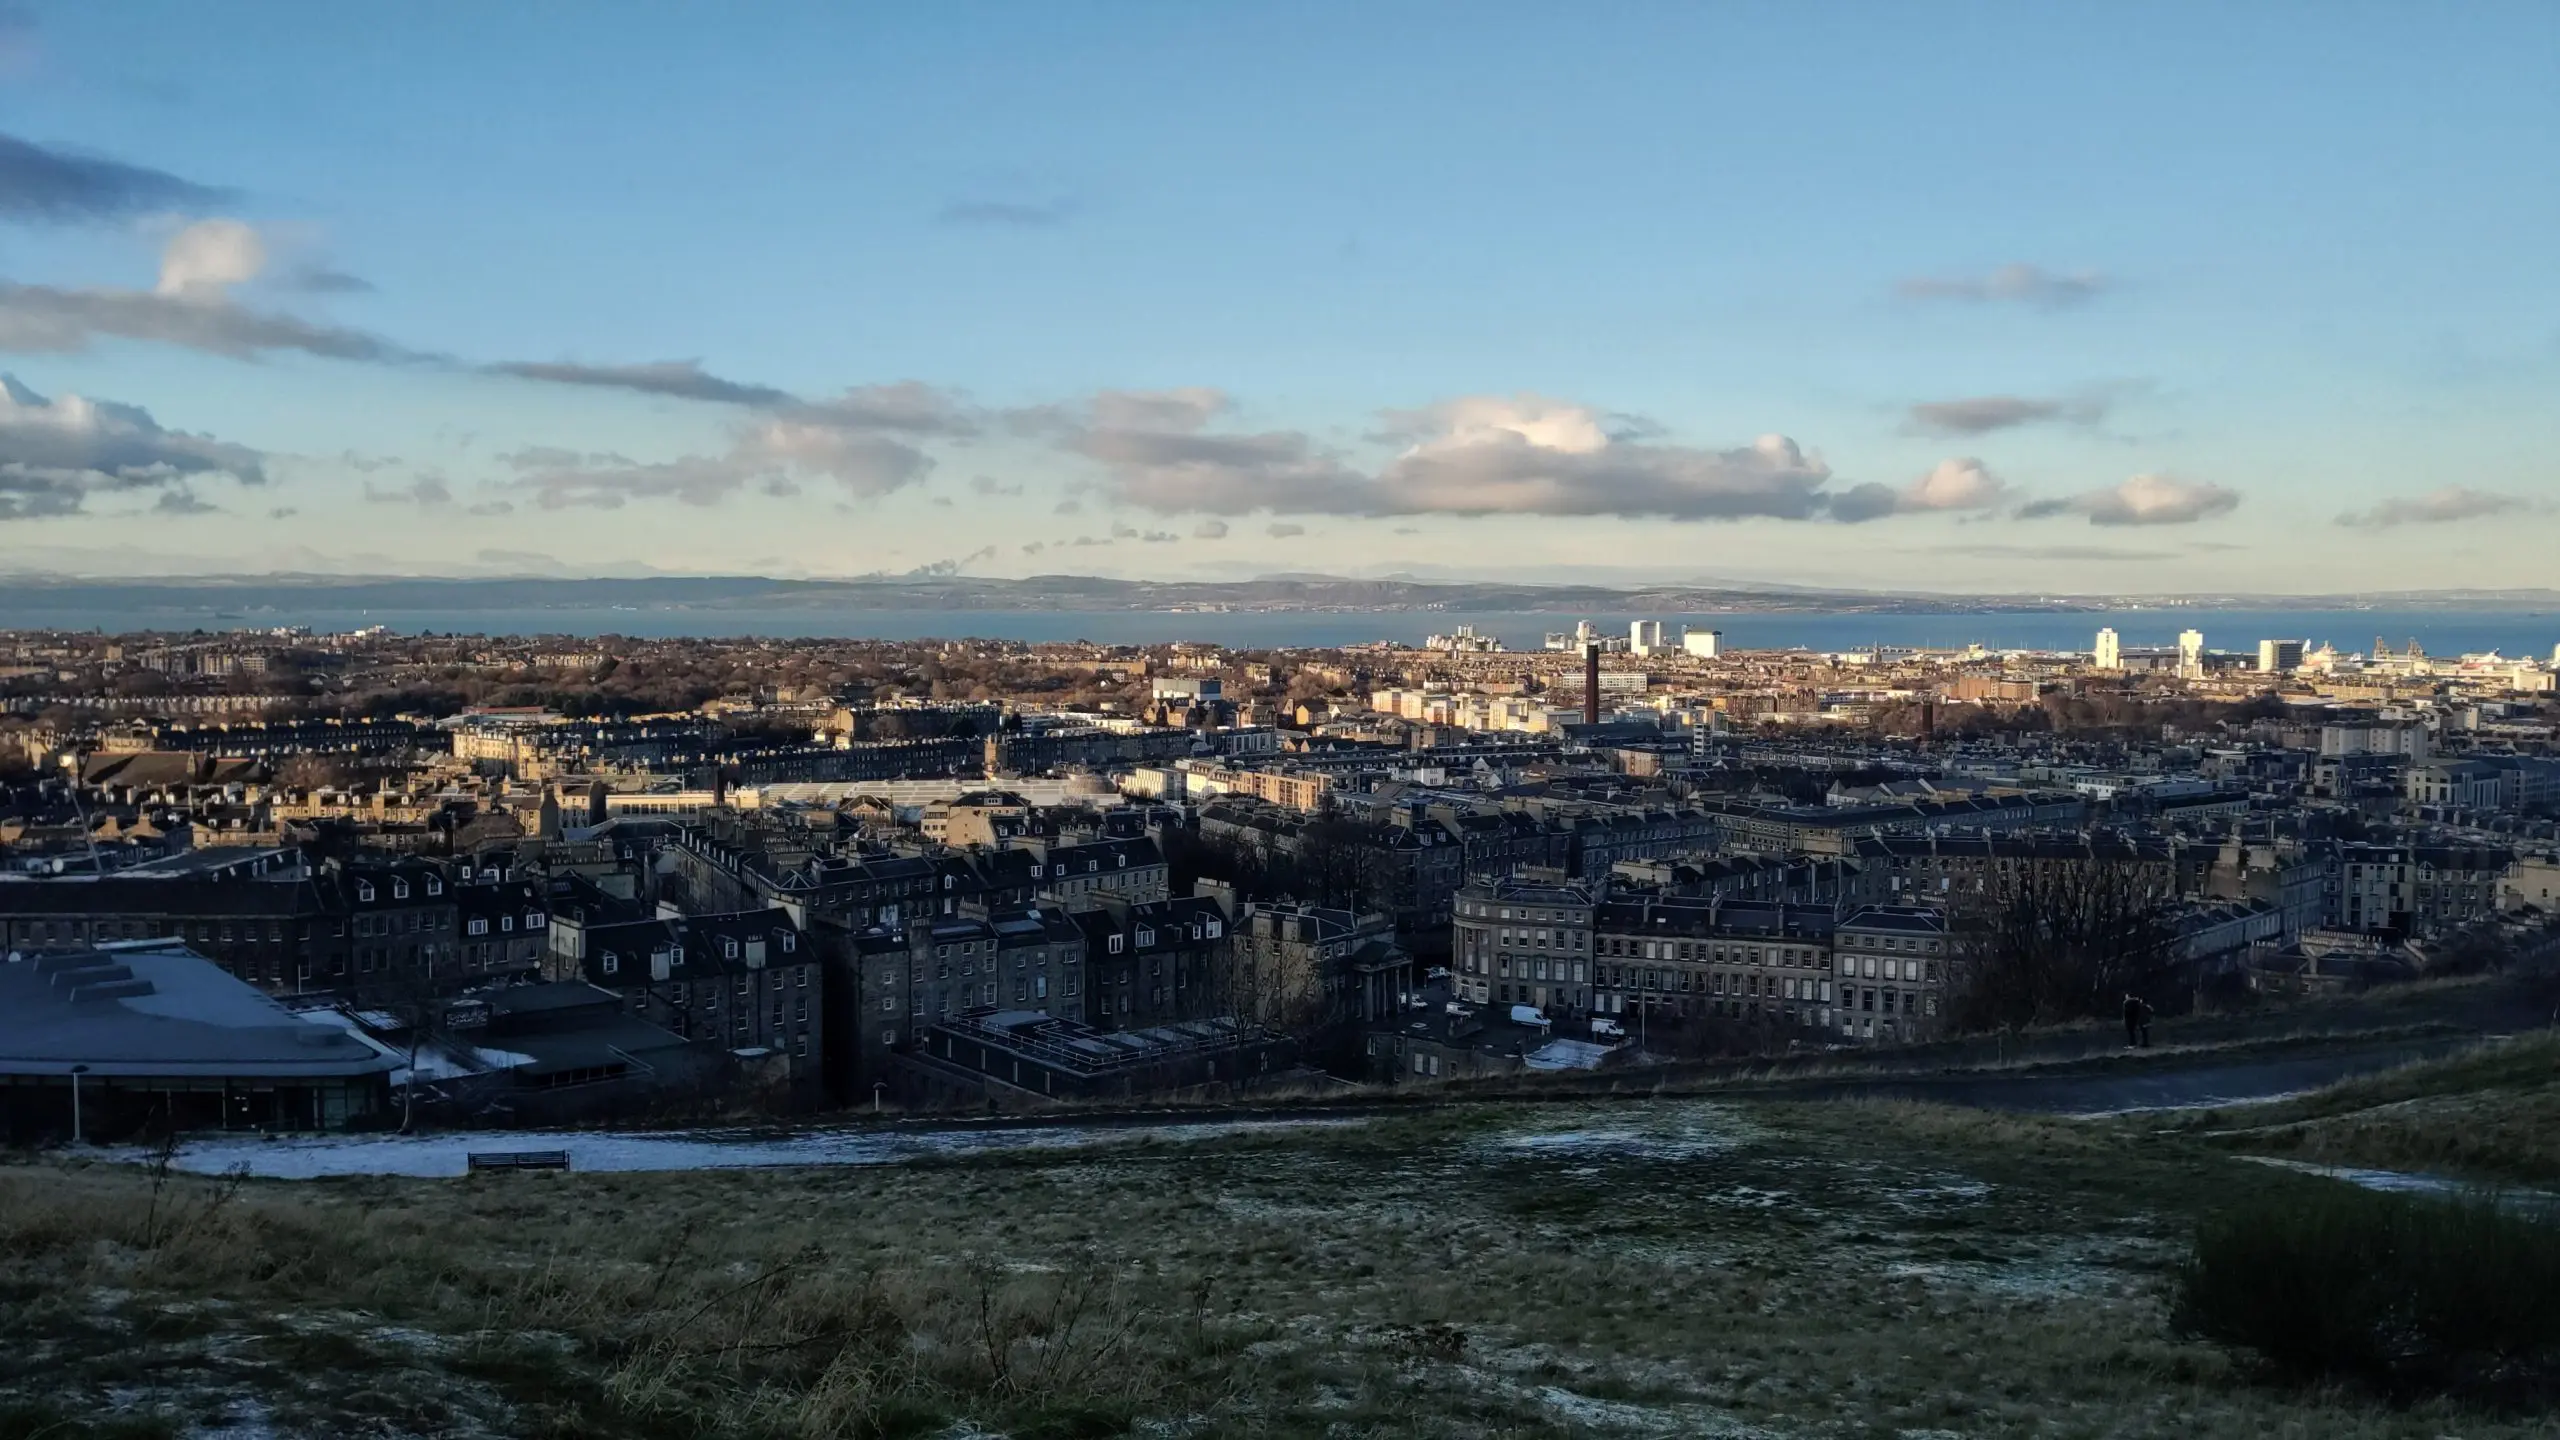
2280	657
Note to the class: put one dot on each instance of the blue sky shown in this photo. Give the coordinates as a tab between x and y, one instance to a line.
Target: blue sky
1968	297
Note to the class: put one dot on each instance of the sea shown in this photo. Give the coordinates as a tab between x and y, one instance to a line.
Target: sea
2442	632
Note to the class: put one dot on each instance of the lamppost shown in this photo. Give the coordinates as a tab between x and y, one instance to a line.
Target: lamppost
79	1135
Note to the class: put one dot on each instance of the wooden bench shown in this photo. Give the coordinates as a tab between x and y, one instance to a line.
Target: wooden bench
518	1160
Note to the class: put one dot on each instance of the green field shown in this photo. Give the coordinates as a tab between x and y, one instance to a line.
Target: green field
1641	1267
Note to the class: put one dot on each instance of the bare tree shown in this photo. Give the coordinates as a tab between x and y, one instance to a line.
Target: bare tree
2042	943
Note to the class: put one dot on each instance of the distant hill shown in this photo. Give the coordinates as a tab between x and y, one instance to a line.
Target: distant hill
27	599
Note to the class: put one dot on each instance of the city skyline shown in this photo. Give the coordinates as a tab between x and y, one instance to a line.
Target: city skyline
1871	298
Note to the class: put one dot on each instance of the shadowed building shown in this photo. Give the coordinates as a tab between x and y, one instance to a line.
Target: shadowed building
162	1038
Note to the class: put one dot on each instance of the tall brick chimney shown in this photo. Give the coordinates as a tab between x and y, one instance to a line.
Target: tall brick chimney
1591	684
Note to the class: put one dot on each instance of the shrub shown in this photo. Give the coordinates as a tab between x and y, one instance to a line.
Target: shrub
2415	1295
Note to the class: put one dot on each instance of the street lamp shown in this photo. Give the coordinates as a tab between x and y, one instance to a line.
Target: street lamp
79	1136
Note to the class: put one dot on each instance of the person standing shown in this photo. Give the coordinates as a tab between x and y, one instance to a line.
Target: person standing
2133	1008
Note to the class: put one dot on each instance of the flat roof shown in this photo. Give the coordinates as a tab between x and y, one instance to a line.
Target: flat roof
157	1010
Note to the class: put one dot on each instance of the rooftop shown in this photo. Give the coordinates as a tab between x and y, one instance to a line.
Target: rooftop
155	1009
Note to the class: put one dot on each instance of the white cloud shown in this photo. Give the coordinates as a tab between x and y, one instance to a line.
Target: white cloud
207	258
2144	500
1960	484
2016	283
54	454
2441	506
63	187
1178	411
1953	484
42	318
1982	414
676	379
1475	455
773	452
425	491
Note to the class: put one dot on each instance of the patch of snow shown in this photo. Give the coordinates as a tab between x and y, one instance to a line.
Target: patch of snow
2219	1102
1566	1055
312	1157
1940	1190
1677	1131
245	1417
1607	1414
2404	1182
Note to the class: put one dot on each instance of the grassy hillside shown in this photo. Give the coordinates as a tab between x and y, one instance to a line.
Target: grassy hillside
2489	1114
1677	1267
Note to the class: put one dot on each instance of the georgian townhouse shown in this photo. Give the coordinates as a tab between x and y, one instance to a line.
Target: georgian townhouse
1682	958
1525	939
505	929
745	981
1153	962
1893	970
885	984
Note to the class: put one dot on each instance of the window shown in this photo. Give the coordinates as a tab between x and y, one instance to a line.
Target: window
399	889
612	963
1114	946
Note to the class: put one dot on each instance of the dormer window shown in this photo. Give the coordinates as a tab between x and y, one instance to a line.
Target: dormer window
729	949
506	922
1146	938
364	890
478	926
434	886
533	920
790	942
1115	945
399	889
612	963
